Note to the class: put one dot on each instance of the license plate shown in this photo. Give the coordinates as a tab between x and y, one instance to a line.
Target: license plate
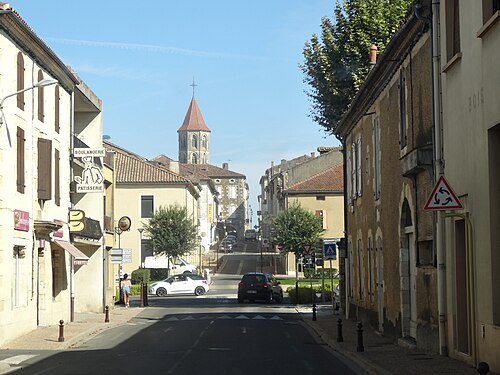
252	292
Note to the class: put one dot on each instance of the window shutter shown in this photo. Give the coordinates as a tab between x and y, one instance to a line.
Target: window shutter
353	170
359	174
44	169
20	160
56	109
40	98
20	80
57	180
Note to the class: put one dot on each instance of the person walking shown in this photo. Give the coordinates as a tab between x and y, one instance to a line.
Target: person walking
126	284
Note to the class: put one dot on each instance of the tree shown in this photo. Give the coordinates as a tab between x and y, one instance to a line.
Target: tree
294	227
336	65
171	231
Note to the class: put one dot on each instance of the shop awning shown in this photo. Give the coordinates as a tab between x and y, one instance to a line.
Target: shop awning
80	258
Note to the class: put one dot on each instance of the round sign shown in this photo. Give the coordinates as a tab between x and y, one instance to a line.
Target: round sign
124	223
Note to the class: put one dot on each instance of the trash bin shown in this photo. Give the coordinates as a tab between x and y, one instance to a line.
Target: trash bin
206	275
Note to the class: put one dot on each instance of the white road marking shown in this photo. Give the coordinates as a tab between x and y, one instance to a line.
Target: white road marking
17	359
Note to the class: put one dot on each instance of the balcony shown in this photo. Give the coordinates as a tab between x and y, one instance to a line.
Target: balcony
416	161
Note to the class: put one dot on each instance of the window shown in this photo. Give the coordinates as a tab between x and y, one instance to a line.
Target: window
356	169
146	206
183	140
20	80
360	270
322	214
452	28
41	115
320	197
56	109
204	141
371	268
232	192
20	160
44	169
57	179
490	7
376	158
402	108
194	141
58	271
194	159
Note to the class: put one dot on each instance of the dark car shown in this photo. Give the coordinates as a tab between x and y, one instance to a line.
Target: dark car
259	286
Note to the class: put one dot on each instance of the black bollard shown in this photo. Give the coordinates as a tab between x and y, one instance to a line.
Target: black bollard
106	314
141	301
340	338
483	368
61	331
146	303
314	311
360	347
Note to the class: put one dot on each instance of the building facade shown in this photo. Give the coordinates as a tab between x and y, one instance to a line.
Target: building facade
390	264
468	156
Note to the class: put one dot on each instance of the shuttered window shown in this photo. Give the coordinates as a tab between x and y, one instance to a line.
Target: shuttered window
20	160
147	206
44	169
20	80
40	98
56	109
452	28
57	180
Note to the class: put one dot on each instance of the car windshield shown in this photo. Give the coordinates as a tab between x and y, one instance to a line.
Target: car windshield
255	279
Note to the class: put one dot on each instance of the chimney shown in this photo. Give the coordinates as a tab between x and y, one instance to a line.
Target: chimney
4	6
373	55
174	166
225	166
313	155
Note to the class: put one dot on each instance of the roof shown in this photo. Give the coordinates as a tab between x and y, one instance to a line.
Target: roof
132	168
193	120
328	181
207	170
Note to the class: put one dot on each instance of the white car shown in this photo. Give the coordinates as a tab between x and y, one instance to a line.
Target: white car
180	284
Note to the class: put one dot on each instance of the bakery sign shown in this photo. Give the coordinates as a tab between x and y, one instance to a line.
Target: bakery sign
91	180
21	220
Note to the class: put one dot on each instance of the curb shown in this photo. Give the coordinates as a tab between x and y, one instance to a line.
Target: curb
360	361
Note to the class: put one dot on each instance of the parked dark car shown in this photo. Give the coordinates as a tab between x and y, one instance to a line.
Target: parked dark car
259	286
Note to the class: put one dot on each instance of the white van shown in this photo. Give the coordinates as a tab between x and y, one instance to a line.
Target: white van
177	265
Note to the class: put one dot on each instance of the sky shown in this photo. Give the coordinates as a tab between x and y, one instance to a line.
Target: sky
141	58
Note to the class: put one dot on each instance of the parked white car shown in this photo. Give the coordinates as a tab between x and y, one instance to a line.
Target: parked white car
180	284
177	265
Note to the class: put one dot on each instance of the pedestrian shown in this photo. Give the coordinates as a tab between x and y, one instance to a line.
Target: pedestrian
126	290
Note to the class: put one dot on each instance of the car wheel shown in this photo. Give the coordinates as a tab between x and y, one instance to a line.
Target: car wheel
270	298
199	291
279	298
161	292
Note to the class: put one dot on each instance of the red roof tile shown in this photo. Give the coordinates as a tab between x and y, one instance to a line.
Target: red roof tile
194	119
328	181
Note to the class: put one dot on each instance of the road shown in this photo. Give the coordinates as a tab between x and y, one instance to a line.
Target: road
210	334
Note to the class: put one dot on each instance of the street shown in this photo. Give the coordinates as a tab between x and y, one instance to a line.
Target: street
210	334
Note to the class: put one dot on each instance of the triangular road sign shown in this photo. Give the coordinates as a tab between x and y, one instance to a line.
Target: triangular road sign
442	197
306	249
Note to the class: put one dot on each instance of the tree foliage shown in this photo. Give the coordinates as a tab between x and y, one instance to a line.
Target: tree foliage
171	231
294	227
336	64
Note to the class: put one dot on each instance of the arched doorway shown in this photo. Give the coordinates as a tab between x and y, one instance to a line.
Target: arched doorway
408	274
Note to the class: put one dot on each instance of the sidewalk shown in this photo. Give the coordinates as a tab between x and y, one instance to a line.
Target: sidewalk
75	333
381	355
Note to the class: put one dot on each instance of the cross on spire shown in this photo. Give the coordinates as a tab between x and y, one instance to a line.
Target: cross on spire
193	85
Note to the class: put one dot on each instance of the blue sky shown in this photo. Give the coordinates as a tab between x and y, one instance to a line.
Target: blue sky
141	57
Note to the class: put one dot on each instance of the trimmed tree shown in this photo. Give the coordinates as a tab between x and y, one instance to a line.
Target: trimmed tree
171	231
336	64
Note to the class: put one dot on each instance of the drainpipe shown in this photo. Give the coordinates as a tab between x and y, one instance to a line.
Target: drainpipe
438	171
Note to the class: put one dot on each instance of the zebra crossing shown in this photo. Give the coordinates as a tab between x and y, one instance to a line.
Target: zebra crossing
222	317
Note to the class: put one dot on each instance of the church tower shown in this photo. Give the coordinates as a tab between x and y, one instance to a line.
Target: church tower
194	137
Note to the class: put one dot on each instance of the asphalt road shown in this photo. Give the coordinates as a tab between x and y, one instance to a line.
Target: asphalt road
210	334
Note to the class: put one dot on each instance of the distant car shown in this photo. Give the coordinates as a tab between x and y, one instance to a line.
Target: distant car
259	286
225	246
250	235
232	238
180	284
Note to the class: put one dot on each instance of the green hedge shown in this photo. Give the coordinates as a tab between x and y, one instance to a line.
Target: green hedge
141	275
306	296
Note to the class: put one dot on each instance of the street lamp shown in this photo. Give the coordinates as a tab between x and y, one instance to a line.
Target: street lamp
44	82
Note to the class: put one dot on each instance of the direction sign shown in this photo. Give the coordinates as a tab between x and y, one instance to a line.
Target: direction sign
127	256
442	197
329	251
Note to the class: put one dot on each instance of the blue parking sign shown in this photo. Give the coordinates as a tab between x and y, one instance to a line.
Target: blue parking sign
329	251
